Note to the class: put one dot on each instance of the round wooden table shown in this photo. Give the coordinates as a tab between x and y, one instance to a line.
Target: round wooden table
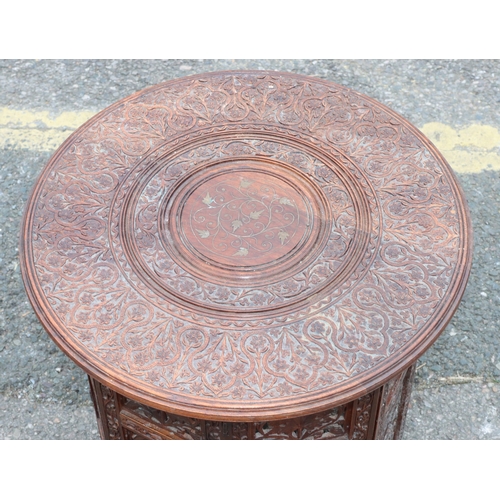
247	255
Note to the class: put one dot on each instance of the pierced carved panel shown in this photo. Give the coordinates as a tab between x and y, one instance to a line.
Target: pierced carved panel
394	405
365	418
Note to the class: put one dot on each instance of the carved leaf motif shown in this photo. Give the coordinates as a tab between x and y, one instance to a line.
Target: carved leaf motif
203	233
236	224
255	215
208	199
283	235
400	277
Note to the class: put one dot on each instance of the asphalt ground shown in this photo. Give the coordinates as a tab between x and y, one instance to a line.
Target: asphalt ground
43	395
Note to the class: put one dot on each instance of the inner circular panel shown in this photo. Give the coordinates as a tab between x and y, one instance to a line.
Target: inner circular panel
244	217
244	221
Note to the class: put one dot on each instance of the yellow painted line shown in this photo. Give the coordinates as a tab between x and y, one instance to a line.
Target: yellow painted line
470	149
38	130
34	119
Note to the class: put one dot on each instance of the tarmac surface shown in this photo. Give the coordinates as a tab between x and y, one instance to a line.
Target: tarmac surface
44	395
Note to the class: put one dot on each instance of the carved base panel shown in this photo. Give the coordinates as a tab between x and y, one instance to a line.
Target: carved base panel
377	415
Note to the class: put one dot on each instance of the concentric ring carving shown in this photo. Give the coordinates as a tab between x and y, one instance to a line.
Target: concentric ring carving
342	236
127	291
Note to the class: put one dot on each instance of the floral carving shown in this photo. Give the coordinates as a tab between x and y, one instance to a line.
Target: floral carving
387	257
239	218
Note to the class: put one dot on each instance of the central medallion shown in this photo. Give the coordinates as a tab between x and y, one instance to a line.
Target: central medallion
245	217
244	221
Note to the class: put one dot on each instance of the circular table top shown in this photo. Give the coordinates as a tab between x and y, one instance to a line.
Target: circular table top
246	245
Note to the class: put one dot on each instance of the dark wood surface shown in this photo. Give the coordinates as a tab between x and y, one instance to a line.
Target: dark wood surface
246	246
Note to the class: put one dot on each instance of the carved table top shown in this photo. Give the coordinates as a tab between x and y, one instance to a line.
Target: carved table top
246	245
